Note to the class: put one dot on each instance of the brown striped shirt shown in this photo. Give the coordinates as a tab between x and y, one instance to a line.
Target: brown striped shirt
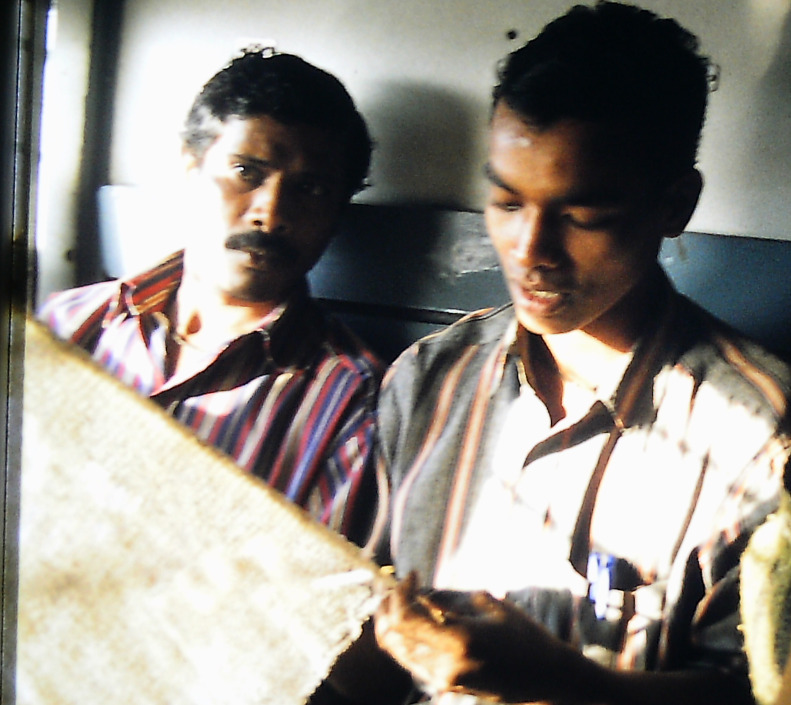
621	531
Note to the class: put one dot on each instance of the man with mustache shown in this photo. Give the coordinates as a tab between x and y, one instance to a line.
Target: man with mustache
224	335
572	478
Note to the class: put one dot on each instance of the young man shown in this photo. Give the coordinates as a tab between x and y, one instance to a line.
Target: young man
224	334
573	477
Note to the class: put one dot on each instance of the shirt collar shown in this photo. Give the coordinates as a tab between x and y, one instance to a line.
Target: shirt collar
634	397
290	332
150	291
632	404
294	335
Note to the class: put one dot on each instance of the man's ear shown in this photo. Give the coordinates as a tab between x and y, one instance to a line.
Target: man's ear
679	202
190	160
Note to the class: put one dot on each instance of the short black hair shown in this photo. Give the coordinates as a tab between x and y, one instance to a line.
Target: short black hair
619	64
287	88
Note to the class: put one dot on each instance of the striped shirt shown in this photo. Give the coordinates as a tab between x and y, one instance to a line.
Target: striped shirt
292	401
621	530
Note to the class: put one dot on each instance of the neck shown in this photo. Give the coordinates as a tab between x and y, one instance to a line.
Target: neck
587	370
587	361
209	317
593	355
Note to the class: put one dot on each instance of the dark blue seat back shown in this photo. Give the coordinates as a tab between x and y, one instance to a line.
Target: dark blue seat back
397	273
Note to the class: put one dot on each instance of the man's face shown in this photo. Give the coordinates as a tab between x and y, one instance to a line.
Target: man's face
264	200
574	224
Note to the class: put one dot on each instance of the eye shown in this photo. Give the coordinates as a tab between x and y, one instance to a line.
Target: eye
506	206
591	218
503	200
248	174
314	188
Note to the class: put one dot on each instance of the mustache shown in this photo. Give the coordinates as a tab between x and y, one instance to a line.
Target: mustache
265	243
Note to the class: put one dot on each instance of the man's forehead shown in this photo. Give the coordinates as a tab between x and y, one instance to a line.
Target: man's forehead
606	149
259	134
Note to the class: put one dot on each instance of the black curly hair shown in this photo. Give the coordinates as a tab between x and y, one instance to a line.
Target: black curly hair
287	88
620	64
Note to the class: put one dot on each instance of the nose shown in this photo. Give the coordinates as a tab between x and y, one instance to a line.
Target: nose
267	207
535	240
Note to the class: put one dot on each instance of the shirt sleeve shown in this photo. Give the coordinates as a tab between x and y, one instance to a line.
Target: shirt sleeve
705	629
350	503
368	516
343	495
76	315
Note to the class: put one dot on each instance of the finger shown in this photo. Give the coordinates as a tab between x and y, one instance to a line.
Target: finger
451	600
395	605
407	588
455	604
485	602
427	608
402	597
384	581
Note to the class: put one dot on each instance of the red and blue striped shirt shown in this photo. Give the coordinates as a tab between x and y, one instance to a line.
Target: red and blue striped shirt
291	402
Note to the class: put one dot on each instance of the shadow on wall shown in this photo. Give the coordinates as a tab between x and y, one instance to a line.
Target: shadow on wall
423	152
768	148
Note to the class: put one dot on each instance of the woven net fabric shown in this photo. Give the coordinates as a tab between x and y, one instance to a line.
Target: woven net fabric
152	569
766	607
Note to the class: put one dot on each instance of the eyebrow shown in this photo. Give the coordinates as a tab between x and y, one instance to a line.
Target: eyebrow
591	199
247	158
257	161
492	176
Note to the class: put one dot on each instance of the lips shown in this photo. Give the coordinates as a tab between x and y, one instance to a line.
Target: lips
257	259
543	295
543	284
540	300
536	292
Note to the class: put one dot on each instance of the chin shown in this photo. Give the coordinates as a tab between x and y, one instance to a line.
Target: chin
545	326
253	295
258	289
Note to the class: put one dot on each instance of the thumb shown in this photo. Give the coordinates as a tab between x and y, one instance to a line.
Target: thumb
486	603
